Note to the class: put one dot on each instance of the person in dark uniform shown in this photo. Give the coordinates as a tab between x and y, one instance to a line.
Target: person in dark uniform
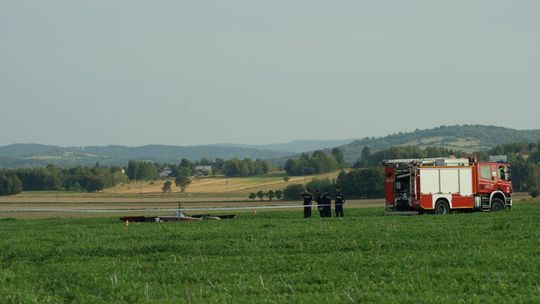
308	198
327	202
318	199
340	200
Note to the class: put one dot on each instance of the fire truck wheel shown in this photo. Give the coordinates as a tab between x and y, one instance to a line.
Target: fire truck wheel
497	204
441	207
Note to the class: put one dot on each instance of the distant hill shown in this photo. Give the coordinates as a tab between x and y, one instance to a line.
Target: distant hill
296	146
34	155
460	137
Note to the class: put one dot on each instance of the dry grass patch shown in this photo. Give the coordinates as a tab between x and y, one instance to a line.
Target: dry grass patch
219	185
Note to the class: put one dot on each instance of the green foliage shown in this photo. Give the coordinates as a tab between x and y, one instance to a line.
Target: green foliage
533	179
319	162
270	194
185	167
183	182
260	194
369	159
279	194
292	192
363	183
166	187
525	169
286	179
10	185
338	156
31	155
324	184
252	196
72	179
275	257
142	170
485	137
246	167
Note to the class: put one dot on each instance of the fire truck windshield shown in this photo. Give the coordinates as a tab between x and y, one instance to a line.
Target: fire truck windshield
504	173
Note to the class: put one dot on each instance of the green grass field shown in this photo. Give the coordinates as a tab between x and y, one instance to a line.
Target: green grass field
274	257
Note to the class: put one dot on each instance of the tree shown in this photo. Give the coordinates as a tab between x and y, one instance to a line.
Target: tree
260	195
5	185
142	170
16	185
270	194
319	162
365	158
279	194
252	196
533	180
292	192
286	178
338	155
166	187
10	185
321	184
149	171
95	184
183	182
132	170
368	183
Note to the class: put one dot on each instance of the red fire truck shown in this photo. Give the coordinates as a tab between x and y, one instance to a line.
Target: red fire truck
440	185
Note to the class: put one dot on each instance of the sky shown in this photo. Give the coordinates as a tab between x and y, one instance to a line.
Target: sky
129	72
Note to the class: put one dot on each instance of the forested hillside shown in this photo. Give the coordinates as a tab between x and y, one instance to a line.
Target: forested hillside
464	138
33	155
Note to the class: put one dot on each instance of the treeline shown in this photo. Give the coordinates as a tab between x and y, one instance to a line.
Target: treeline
55	178
373	159
318	162
270	194
357	183
366	178
524	159
489	136
141	170
91	179
246	167
10	185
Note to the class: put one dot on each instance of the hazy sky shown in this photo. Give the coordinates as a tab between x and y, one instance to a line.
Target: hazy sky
97	72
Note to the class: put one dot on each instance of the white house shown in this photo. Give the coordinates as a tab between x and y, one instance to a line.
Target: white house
202	170
165	172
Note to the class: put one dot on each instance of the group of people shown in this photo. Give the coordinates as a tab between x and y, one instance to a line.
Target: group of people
324	203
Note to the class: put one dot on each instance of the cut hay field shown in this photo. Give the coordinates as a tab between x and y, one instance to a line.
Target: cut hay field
220	185
276	257
209	189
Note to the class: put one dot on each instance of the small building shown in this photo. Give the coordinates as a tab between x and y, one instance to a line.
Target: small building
202	171
165	172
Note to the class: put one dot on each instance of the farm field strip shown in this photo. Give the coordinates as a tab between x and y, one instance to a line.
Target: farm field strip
249	205
219	185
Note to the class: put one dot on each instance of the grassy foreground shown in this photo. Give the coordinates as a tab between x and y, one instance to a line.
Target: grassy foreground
276	257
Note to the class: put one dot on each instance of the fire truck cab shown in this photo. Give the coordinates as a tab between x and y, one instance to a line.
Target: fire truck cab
439	185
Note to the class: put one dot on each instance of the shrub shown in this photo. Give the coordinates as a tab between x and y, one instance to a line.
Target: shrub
292	192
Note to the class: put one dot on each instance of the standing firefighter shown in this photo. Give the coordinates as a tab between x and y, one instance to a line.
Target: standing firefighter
327	203
318	199
340	200
308	198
